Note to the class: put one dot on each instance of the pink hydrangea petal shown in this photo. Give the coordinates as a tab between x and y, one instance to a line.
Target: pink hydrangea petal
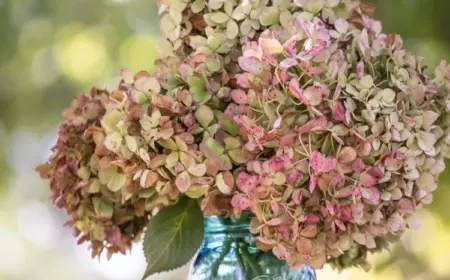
316	70
338	111
239	96
278	163
297	92
345	192
242	80
297	196
315	124
274	222
288	140
281	252
292	177
376	172
277	123
405	206
274	206
312	183
337	179
346	213
289	46
372	194
314	160
321	164
288	63
240	201
312	219
358	165
360	69
247	183
367	180
340	224
251	64
329	207
328	165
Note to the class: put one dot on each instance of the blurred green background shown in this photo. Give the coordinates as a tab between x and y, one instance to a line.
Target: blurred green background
50	50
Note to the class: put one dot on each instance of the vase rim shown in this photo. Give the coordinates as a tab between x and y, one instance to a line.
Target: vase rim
221	224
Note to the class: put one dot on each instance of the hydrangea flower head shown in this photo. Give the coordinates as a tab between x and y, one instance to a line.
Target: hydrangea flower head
301	111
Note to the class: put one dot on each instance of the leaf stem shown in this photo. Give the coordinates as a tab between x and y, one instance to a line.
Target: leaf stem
254	268
218	261
239	257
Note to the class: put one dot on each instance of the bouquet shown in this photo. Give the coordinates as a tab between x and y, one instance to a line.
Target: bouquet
300	112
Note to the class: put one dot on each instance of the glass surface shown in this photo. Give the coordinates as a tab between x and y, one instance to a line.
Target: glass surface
229	252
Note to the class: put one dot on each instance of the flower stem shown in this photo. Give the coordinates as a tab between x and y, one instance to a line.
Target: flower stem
239	257
218	262
254	270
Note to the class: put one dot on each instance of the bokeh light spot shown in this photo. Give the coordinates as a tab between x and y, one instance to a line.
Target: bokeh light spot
117	1
433	50
30	219
44	69
12	254
412	239
37	32
139	53
130	266
439	251
83	57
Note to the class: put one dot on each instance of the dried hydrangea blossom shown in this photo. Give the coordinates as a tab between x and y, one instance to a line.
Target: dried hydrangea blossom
360	133
300	111
85	177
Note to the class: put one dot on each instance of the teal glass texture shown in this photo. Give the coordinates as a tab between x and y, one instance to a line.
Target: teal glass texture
229	252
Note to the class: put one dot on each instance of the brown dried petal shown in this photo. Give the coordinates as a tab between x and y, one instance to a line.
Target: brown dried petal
309	231
304	246
347	155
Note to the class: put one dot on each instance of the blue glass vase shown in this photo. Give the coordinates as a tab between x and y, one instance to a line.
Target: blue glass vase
229	252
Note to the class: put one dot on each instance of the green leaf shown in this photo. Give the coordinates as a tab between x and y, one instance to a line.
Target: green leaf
173	236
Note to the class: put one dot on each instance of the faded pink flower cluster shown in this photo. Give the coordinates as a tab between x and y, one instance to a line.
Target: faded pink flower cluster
352	136
300	111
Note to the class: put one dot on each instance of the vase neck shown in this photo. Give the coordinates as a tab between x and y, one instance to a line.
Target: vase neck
220	224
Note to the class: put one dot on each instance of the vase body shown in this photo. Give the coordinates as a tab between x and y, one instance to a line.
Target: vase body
229	252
